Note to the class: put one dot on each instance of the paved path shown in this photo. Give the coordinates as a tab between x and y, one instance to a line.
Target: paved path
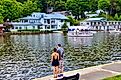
93	73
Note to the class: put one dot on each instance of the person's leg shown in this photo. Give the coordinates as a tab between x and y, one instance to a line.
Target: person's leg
54	71
61	66
57	70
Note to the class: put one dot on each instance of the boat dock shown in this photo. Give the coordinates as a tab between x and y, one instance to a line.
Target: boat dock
93	73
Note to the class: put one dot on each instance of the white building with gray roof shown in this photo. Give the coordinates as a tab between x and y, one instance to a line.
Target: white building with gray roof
41	21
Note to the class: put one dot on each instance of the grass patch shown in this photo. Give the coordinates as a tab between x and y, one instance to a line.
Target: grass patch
114	78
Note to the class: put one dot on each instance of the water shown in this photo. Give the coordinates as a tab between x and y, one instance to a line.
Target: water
24	57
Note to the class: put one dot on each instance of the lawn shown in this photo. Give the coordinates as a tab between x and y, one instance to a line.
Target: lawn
114	78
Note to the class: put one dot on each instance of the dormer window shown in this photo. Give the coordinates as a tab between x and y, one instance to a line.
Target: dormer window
33	15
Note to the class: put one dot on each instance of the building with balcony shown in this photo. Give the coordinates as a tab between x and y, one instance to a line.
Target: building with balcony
41	21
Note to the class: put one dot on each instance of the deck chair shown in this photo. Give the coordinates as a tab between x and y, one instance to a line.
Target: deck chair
73	77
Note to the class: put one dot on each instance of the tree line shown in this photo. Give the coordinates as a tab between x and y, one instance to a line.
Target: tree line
14	9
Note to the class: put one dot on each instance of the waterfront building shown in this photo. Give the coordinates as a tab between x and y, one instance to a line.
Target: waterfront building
40	21
101	24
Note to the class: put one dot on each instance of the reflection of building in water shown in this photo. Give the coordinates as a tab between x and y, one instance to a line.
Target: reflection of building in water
41	41
76	41
1	40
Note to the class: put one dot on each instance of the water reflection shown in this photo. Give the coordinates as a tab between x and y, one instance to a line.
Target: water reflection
1	39
28	56
77	41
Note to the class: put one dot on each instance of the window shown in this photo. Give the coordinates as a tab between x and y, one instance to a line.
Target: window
62	20
39	27
33	27
42	16
13	27
52	26
33	15
20	28
48	21
25	20
44	21
52	21
16	28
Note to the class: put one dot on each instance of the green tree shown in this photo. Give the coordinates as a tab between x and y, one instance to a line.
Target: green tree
104	5
12	9
120	18
29	7
93	5
60	6
77	7
1	16
64	27
73	21
116	17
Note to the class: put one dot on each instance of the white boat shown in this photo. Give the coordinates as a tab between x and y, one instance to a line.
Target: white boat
80	34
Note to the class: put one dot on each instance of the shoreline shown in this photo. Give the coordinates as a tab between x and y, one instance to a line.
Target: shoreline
85	71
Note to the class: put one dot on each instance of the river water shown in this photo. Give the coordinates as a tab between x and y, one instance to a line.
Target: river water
25	57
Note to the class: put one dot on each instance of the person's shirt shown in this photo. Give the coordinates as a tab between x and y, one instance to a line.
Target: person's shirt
60	50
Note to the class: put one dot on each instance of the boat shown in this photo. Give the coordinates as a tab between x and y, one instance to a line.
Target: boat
80	34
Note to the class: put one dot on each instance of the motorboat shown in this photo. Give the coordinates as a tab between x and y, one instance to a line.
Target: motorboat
80	34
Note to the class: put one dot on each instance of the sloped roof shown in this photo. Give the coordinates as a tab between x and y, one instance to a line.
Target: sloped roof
46	16
20	23
29	17
95	19
55	16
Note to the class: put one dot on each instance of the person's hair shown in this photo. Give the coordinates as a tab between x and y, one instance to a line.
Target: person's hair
59	45
55	50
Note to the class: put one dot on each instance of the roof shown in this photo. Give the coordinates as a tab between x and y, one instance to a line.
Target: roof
55	16
91	15
29	17
20	23
46	16
38	13
96	19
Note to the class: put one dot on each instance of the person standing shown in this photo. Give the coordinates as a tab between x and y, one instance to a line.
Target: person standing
60	51
55	62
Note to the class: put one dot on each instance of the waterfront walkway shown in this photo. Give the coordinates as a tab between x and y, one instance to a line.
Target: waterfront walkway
93	73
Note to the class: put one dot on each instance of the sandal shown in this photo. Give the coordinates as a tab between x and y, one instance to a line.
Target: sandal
55	76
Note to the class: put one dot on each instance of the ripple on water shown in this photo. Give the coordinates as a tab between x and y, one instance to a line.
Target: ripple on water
24	57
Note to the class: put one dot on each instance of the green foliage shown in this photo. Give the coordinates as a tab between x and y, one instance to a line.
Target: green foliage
72	21
1	18
120	18
29	7
104	4
14	9
114	78
77	7
64	26
93	5
116	17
